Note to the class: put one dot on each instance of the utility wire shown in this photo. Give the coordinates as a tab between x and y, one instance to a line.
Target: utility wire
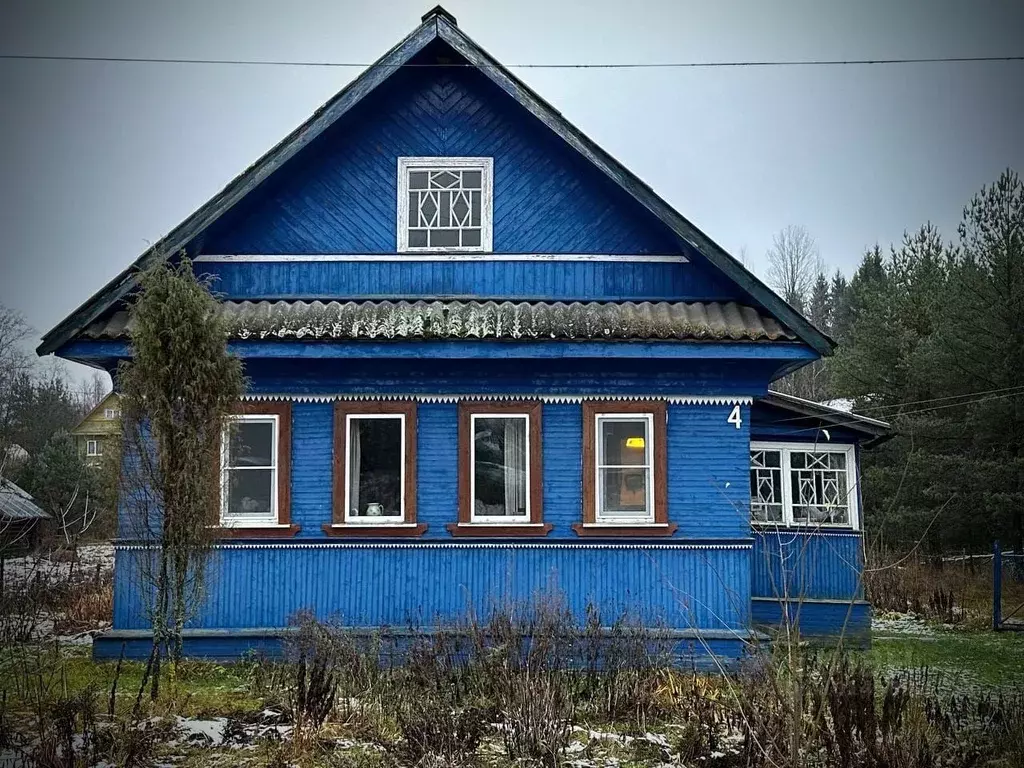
459	65
895	406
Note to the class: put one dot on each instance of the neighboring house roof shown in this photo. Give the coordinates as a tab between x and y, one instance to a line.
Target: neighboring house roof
438	24
94	422
482	320
877	431
16	504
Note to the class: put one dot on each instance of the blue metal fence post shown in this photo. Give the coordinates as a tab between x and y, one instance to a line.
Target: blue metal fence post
997	586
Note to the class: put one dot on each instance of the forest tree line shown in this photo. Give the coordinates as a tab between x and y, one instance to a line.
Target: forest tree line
931	339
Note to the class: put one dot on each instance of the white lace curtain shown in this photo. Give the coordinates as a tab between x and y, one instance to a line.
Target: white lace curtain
515	466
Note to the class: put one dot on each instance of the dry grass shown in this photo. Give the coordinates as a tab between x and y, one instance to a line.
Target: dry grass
958	593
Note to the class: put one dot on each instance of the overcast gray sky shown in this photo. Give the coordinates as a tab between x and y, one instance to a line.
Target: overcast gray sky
98	160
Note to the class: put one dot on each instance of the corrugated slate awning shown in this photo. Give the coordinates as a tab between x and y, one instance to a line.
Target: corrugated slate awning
493	320
16	504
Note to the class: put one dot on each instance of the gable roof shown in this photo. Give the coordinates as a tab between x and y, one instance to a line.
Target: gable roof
16	504
82	428
437	24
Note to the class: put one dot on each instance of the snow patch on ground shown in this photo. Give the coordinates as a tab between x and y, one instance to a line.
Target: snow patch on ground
893	623
54	569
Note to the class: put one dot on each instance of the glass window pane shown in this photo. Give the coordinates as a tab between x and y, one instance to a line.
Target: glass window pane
623	442
249	493
444	238
474	200
623	491
418	179
375	467
471	237
418	238
500	467
472	179
445	206
252	444
818	487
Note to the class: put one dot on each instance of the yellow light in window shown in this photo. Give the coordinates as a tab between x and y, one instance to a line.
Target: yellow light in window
634	442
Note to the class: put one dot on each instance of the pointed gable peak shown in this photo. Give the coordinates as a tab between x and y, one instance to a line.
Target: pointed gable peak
436	25
438	12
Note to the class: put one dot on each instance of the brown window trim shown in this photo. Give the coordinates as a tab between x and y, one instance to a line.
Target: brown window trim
465	525
284	527
408	526
589	526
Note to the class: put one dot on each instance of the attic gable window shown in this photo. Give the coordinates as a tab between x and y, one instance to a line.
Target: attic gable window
444	203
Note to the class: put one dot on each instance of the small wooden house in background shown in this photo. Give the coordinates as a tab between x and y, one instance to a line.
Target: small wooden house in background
487	361
95	433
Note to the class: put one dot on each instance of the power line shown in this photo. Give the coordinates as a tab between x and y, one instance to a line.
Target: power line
462	65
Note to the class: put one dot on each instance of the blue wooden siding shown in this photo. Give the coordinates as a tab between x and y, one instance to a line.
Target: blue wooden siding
779	424
339	194
605	376
831	619
549	280
369	585
708	492
820	566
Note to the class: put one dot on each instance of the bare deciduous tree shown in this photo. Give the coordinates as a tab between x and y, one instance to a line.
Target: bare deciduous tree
793	264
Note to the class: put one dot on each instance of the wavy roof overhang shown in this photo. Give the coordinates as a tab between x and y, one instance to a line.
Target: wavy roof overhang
506	320
436	25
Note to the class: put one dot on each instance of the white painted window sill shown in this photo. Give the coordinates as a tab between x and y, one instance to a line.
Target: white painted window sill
377	522
618	523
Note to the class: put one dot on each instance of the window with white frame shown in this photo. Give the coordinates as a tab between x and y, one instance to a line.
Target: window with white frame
800	484
444	203
500	468
93	448
625	467
249	477
375	476
111	413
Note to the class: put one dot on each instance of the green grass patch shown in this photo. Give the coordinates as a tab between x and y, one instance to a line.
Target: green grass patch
987	659
199	688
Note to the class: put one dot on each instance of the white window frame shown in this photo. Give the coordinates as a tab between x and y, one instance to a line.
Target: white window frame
92	448
351	519
476	519
786	449
484	164
273	516
624	519
110	413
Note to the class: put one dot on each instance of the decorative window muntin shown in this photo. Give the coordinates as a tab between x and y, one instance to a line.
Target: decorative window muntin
93	448
624	470
499	455
803	485
766	505
376	464
445	203
249	470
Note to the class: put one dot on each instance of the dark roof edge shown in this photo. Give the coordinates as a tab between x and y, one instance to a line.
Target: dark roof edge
878	431
242	184
434	26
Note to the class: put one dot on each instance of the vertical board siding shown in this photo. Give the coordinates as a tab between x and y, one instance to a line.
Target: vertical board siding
562	459
419	586
549	280
816	619
437	466
312	466
708	471
817	566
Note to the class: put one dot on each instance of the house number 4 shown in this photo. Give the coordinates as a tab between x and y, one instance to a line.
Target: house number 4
734	417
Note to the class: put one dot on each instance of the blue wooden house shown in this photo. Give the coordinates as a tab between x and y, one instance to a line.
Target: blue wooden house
488	362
